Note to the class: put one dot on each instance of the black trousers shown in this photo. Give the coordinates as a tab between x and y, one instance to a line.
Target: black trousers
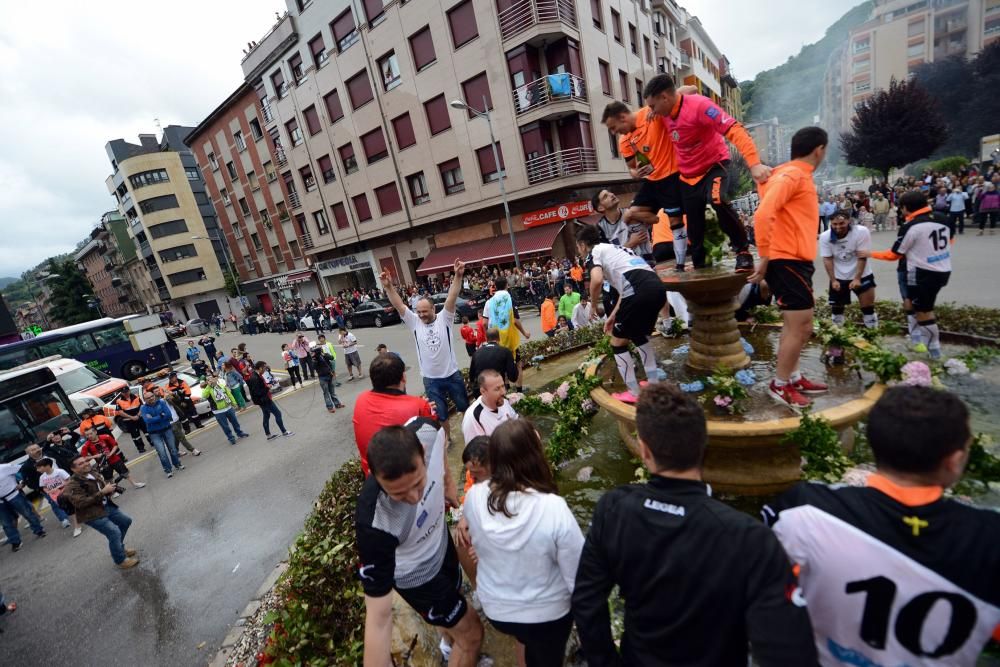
710	191
294	375
544	643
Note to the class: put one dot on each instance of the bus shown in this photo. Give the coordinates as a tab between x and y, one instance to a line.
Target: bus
32	405
102	344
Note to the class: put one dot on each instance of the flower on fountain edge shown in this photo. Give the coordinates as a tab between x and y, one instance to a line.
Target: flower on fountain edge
956	366
588	405
916	373
723	401
546	398
563	391
692	387
745	377
514	397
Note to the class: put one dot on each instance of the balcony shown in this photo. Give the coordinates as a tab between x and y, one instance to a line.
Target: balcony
279	157
530	20
163	294
307	240
109	265
567	162
293	199
551	96
265	111
123	298
116	281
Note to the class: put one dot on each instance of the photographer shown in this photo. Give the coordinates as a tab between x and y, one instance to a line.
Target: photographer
322	363
90	494
105	451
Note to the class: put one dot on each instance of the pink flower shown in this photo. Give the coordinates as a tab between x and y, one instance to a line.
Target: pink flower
723	401
546	398
514	397
917	374
588	406
563	391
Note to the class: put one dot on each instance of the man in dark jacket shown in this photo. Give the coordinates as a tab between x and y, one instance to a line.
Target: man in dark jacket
699	579
59	446
321	362
491	355
260	394
90	494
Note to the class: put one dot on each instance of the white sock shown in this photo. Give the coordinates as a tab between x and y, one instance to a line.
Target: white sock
839	319
680	306
649	362
911	327
931	334
871	321
795	376
626	368
680	244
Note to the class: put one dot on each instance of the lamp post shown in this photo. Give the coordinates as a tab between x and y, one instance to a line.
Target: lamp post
229	267
459	104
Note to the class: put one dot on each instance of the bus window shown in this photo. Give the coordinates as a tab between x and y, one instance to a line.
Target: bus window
30	418
109	336
16	357
70	347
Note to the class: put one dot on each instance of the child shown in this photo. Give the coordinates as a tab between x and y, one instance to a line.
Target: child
53	480
474	459
562	324
291	365
469	336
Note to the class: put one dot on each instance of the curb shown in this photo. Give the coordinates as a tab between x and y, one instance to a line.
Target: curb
236	632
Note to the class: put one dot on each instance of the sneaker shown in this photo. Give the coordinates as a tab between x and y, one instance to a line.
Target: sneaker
140	485
65	523
744	262
182	453
806	386
679	268
233	441
331	410
272	436
15	547
625	396
128	563
935	352
244	435
77	531
788	395
339	405
115	495
181	468
920	348
287	434
197	452
40	535
169	475
130	553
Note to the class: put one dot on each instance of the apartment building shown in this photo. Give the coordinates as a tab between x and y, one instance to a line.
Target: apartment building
102	258
900	36
160	192
378	171
772	139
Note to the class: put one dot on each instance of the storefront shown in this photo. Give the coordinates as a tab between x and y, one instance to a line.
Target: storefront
354	271
264	294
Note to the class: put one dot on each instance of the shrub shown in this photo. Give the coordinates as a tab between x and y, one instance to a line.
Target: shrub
952	163
819	445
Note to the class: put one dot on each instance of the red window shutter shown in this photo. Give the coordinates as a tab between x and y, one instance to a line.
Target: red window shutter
317	47
595	10
388	199
333	107
340	216
437	114
462	19
312	119
605	77
342	26
422	46
487	165
373	9
346	151
374	145
278	81
474	89
361	207
295	64
623	82
403	128
359	89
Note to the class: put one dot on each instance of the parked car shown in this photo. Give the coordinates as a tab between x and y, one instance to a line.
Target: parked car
160	379
464	307
198	327
175	330
368	314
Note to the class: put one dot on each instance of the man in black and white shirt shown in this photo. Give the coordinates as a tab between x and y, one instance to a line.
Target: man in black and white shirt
404	542
848	271
489	410
616	227
435	347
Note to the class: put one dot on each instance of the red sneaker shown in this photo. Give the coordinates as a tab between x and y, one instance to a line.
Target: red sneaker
788	395
807	386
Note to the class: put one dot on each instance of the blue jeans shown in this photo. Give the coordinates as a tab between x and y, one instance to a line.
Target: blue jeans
438	389
56	510
268	409
226	419
9	510
113	526
165	444
326	383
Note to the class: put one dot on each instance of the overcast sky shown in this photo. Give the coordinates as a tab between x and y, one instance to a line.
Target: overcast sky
82	73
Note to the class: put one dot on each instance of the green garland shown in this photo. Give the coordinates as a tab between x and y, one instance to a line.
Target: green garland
573	408
819	445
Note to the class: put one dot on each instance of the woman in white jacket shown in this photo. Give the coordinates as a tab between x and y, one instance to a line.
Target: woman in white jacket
528	544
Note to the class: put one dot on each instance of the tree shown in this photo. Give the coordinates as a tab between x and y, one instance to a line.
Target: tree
232	280
68	293
894	127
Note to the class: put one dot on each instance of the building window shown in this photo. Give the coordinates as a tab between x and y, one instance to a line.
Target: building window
265	217
638	92
312	120
231	169
344	32
487	165
155	204
308	181
254	181
192	173
241	144
422	48
359	89
278	81
374	11
213	161
389	67
237	230
403	129
168	229
623	84
915	50
185	277
347	157
914	29
178	252
248	262
613	139
633	39
616	25
244	207
387	197
451	176
474	90
322	225
605	77
862	86
361	207
438	119
648	49
256	241
462	20
863	45
282	210
373	143
318	50
295	65
269	172
333	108
276	253
340	216
225	197
418	188
151	177
255	129
293	248
865	63
294	133
595	11
326	169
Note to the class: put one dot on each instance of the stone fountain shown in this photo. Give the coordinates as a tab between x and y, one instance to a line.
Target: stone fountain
744	456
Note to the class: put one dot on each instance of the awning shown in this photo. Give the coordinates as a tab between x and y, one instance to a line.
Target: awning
299	277
530	242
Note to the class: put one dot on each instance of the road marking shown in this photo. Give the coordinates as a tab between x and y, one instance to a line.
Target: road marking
235	568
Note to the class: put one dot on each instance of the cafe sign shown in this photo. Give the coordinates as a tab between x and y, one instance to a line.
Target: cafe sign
561	213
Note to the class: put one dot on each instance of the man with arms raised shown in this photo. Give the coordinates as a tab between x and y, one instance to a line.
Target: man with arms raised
404	542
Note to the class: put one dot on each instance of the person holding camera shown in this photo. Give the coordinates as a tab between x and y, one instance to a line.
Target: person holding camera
105	451
90	494
322	363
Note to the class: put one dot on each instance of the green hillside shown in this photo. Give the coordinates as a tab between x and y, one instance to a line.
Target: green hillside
792	90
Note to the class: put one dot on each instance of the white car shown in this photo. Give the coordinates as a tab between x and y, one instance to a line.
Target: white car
201	406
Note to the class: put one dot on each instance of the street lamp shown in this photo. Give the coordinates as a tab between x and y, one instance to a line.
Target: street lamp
229	267
459	104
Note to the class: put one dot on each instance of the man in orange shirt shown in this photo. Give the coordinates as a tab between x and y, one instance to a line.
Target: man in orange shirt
785	225
649	153
548	314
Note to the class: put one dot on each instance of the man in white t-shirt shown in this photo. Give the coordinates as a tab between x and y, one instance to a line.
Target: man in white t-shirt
489	410
581	312
433	338
848	270
349	342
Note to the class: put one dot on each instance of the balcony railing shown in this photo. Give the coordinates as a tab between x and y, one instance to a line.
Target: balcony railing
293	199
163	294
524	14
307	239
265	111
548	89
561	163
279	156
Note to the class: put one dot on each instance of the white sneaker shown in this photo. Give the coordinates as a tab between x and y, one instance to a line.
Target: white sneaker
139	485
77	531
65	523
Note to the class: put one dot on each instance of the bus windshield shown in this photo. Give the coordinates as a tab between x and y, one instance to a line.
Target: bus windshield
29	417
80	379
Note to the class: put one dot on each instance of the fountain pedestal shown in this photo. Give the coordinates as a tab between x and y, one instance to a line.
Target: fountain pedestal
711	296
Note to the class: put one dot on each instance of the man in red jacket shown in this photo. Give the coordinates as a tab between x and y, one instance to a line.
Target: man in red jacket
105	446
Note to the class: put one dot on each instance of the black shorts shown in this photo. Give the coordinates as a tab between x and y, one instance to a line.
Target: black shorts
790	281
663	252
638	313
544	643
842	297
664	193
710	189
440	600
922	287
119	467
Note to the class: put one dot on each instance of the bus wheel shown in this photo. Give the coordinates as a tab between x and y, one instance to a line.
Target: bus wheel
133	369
